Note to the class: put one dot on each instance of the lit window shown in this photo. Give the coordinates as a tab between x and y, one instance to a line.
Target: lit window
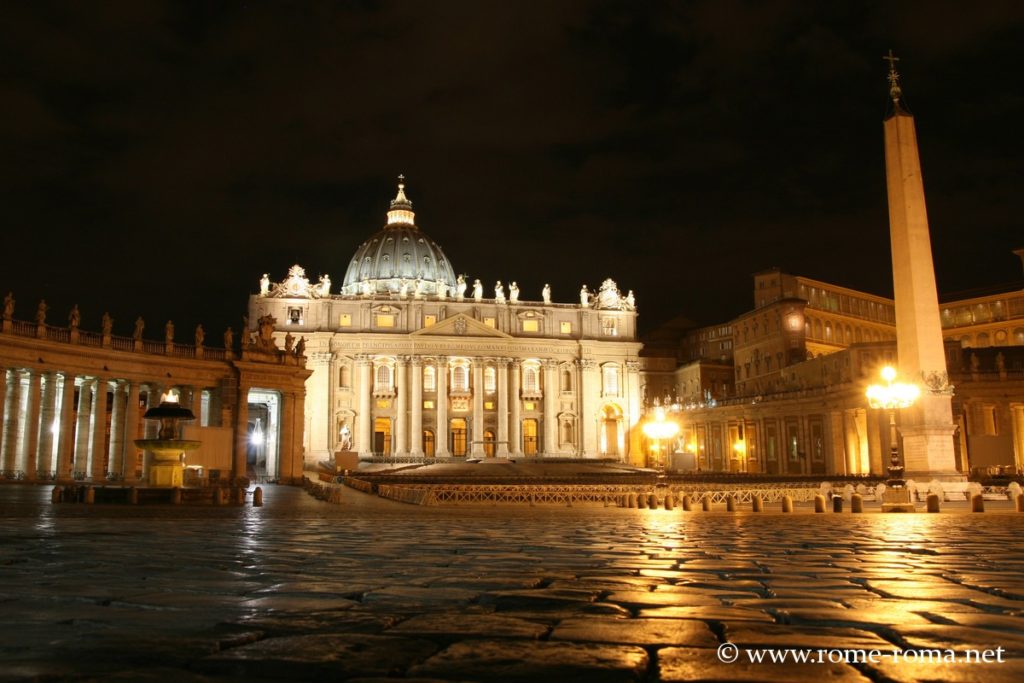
609	327
489	322
530	383
383	404
610	380
385	320
566	327
460	378
531	326
490	380
383	378
429	320
429	378
488	405
428	405
345	320
529	405
294	316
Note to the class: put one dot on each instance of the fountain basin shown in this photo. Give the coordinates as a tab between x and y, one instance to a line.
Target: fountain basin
168	465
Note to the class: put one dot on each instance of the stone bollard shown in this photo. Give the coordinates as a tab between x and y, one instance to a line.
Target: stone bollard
533	500
669	502
641	501
90	495
1020	503
56	494
856	503
686	504
257	497
933	502
787	504
652	501
240	495
133	495
977	503
837	503
176	496
568	501
819	503
730	504
756	504
705	504
606	501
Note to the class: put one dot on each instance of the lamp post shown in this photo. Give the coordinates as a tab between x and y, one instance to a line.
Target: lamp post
893	396
659	429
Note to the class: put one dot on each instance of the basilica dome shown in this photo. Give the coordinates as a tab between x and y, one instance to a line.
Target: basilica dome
399	257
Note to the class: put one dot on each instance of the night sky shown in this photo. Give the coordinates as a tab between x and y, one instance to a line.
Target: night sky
157	158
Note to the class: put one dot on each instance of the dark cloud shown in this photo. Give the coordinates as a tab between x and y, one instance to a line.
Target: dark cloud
158	157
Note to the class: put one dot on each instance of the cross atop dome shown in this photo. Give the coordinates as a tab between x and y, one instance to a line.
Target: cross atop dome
401	207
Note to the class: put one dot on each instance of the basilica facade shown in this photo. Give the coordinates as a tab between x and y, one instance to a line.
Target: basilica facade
410	360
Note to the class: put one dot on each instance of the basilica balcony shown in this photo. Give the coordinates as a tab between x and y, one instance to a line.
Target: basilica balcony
383	392
531	394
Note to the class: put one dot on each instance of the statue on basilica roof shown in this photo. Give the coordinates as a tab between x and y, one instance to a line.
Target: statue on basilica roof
584	296
9	306
442	289
41	312
265	284
325	285
513	292
200	335
499	293
478	290
460	288
74	317
296	285
546	294
140	325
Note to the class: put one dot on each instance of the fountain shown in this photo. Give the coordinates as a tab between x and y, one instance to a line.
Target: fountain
168	465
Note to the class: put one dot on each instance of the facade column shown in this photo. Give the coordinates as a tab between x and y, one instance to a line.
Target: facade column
364	388
515	423
240	461
290	463
34	408
81	459
46	423
12	419
502	373
416	430
634	408
115	463
590	401
401	405
837	459
477	449
99	430
131	433
550	407
441	438
66	435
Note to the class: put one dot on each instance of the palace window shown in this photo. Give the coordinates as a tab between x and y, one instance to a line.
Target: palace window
530	379
383	382
460	379
610	380
490	380
429	378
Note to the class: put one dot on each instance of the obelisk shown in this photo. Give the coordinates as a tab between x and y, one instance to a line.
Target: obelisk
927	427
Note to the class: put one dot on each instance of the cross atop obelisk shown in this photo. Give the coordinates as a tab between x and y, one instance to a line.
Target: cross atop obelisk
895	92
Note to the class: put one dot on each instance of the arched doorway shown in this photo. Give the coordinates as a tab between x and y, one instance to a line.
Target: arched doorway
530	436
382	436
428	443
459	437
489	443
608	430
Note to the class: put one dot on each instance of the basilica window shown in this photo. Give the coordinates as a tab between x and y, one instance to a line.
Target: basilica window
383	383
531	383
489	322
429	320
565	327
531	326
295	316
610	380
429	378
460	379
384	320
345	320
490	380
609	327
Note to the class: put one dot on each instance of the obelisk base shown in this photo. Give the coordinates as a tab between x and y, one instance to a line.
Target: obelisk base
897	500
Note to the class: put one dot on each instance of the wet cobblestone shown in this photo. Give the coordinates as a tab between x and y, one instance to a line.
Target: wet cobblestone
369	589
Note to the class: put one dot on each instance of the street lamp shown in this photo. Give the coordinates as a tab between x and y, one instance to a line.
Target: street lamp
893	396
659	429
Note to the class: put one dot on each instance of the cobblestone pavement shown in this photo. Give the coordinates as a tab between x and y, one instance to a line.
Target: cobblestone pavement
369	589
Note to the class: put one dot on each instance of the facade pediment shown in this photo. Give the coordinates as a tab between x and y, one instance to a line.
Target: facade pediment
460	325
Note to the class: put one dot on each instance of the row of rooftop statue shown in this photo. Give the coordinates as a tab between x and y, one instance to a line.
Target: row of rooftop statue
261	338
297	285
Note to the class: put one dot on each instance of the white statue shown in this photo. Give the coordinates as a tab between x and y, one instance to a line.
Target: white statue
417	292
631	301
265	284
442	289
404	289
478	290
513	292
325	285
367	288
460	288
546	294
584	296
346	438
499	293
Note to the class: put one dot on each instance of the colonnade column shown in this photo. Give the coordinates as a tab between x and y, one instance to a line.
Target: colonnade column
131	432
99	429
46	425
116	463
81	460
364	388
502	372
152	427
290	463
416	430
240	461
441	438
635	408
32	424
879	460
12	415
401	405
514	421
477	449
298	421
550	407
66	435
